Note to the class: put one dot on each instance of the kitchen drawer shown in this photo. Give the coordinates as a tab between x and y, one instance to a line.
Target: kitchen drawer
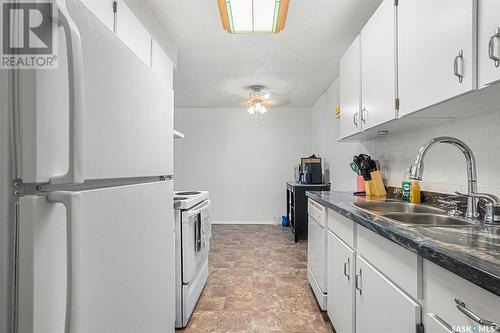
441	288
402	267
342	227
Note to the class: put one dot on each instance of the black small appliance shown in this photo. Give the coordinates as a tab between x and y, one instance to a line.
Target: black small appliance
313	173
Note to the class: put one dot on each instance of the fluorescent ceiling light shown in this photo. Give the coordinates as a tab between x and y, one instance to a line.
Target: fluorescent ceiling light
253	16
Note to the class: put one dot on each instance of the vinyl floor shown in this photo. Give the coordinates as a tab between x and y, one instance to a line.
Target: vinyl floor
257	283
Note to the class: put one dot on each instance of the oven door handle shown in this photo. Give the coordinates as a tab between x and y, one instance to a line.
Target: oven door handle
197	234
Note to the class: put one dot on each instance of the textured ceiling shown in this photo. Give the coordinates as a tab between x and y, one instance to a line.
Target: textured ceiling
215	68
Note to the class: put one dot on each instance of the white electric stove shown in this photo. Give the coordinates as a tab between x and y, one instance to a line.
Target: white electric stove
193	231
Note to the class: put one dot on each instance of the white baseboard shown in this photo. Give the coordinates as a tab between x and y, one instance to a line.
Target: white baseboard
242	222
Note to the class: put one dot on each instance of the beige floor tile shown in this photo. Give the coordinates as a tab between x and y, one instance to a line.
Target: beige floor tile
203	321
207	303
237	304
258	284
240	291
235	322
268	321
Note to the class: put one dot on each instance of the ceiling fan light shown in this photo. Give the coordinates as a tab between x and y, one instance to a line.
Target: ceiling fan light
259	108
257	98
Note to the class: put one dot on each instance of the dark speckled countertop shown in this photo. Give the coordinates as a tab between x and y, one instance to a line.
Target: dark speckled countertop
472	252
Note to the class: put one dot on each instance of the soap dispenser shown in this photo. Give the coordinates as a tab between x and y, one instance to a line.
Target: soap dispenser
415	192
405	186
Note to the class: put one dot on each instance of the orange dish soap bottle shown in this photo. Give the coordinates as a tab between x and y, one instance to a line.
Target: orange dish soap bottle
415	193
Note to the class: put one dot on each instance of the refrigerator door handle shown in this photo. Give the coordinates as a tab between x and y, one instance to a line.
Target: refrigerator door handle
76	97
71	201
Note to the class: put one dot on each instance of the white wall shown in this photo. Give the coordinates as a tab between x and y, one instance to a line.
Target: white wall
325	132
445	169
244	162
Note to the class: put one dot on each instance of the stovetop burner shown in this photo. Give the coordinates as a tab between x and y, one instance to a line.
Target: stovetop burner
179	198
188	193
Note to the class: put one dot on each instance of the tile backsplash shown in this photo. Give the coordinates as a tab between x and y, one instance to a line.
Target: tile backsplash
445	169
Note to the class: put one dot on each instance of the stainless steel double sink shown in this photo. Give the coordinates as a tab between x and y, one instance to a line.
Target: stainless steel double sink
407	213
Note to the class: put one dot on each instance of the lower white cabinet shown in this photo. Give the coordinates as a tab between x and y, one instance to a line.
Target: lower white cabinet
340	284
445	292
342	227
401	266
381	307
376	286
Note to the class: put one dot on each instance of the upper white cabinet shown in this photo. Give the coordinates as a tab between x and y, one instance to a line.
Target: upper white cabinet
161	63
488	42
380	305
130	30
103	9
350	90
436	52
378	68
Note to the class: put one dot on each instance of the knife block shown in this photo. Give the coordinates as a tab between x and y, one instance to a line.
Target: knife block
375	187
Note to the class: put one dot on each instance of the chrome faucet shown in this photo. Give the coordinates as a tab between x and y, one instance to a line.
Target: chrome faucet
492	206
417	170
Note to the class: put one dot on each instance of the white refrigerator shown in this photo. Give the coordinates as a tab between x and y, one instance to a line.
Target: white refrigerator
87	221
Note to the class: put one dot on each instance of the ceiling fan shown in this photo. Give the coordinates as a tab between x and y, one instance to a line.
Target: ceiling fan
258	100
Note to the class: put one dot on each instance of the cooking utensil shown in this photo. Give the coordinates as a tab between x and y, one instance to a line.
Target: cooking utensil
372	166
365	170
355	168
355	160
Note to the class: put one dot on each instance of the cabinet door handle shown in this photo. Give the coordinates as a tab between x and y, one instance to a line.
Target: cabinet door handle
357	282
491	48
364	115
458	66
355	119
347	265
484	322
